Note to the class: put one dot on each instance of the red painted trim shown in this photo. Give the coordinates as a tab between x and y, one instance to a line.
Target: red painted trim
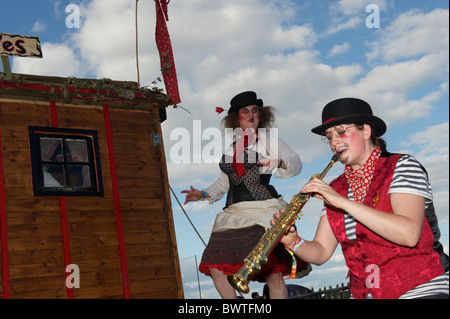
3	229
66	241
71	89
63	213
53	114
117	210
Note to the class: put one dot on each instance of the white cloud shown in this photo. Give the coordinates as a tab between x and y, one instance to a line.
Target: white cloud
39	26
58	59
341	25
351	7
434	153
412	34
387	87
56	10
200	173
349	14
408	75
339	49
106	40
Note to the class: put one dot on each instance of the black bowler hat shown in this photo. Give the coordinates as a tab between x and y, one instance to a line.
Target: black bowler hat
349	110
244	99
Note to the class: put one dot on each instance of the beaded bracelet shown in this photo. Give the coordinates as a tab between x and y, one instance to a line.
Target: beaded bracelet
204	195
298	242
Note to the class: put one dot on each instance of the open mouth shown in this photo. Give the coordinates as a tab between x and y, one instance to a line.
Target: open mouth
251	120
340	150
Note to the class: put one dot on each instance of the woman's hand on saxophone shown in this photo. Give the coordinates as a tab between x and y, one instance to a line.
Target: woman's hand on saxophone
291	235
325	192
317	251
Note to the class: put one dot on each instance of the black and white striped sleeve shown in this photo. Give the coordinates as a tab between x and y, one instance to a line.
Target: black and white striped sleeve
410	178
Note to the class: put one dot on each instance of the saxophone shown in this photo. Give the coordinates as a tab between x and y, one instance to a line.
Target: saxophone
259	255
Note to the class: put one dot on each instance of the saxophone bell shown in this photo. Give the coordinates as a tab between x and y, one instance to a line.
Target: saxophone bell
238	283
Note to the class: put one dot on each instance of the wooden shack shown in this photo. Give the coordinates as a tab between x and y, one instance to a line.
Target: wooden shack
85	208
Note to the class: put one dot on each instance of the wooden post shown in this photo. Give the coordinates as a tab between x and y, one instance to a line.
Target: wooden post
6	67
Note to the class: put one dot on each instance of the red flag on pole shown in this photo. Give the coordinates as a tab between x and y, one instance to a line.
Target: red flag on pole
164	4
165	54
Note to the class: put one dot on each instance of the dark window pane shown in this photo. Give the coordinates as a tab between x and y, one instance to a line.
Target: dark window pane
51	149
53	175
79	176
76	150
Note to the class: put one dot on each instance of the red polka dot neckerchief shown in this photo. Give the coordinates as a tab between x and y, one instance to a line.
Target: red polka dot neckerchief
359	180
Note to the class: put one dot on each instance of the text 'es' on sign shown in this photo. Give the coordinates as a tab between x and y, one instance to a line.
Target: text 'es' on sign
20	45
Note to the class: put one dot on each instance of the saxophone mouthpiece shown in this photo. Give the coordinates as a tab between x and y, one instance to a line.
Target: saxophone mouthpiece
336	156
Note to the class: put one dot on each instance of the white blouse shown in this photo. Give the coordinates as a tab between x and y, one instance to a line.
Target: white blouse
271	148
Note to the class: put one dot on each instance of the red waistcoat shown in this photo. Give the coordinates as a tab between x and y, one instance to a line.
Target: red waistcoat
376	265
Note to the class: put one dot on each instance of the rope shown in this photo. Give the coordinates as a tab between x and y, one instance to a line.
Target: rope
195	228
187	215
137	45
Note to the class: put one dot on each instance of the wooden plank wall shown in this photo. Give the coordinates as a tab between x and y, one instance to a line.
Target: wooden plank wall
147	235
33	224
92	227
36	260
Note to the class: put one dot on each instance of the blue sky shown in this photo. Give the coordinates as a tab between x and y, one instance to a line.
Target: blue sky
297	55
